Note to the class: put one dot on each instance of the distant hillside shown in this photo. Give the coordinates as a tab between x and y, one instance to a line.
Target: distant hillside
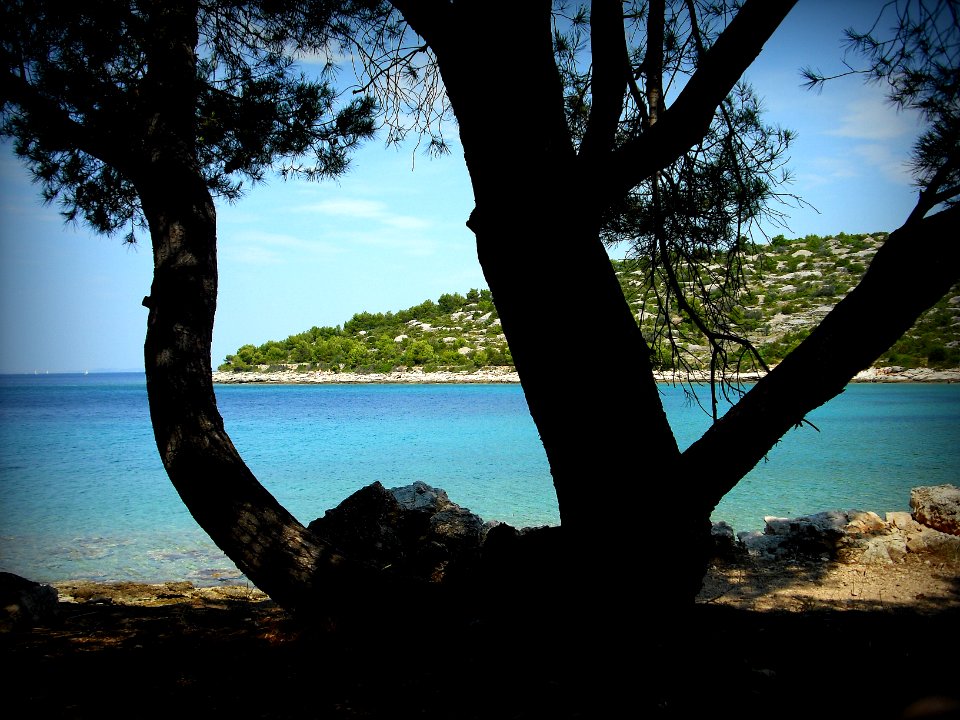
792	285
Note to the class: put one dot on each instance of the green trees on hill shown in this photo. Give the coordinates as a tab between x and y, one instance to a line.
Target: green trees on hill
789	285
455	332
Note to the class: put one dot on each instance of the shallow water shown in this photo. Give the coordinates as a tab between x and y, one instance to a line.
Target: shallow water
83	493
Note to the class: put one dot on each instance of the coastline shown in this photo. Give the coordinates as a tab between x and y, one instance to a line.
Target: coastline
498	375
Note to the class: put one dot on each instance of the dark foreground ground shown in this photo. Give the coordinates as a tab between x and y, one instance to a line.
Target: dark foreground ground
133	651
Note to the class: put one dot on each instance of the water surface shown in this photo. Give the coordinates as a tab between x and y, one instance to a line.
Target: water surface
83	493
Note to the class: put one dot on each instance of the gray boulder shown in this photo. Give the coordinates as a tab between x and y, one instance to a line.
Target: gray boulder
937	507
809	535
842	535
919	538
725	545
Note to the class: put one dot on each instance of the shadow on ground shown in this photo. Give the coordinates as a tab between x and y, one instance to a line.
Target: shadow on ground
242	656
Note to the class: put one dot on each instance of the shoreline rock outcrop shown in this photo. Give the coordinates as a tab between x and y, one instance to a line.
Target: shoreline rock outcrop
857	536
414	530
407	377
937	507
418	530
25	603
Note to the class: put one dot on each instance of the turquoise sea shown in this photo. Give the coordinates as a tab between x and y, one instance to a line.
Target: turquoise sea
83	493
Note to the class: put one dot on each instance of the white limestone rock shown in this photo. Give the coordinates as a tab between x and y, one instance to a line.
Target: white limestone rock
937	507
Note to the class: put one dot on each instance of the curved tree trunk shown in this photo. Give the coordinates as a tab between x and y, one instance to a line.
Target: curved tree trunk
539	208
612	454
267	543
271	547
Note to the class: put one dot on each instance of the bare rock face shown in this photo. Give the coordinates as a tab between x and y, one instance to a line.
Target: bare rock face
809	535
937	507
417	531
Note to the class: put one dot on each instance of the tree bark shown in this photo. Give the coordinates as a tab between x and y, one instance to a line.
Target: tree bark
268	544
537	222
271	547
610	448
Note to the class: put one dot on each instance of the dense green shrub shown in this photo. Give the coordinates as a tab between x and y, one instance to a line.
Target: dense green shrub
368	341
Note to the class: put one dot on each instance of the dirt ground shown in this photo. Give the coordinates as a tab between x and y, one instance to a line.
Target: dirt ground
812	639
921	584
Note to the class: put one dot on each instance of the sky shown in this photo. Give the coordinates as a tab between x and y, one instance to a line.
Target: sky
391	233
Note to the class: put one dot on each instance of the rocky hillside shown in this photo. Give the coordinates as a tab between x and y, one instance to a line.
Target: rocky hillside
790	286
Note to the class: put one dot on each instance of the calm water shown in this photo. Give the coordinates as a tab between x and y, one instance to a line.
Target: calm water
83	493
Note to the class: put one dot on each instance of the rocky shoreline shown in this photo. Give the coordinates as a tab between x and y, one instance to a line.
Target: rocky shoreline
499	375
314	377
842	593
842	560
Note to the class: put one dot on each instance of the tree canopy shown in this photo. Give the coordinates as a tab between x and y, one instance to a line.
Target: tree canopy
80	92
578	125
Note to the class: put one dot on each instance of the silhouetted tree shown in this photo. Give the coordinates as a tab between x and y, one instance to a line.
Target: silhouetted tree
564	151
643	131
132	114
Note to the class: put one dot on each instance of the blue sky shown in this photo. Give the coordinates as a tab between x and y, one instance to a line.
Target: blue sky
391	233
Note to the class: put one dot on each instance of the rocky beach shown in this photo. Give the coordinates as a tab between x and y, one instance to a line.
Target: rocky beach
775	634
822	603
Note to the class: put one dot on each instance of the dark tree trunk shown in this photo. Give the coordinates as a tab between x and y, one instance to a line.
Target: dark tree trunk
612	454
271	547
268	544
537	221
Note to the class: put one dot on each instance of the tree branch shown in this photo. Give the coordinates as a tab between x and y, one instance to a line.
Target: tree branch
653	62
934	194
54	125
855	333
428	18
689	117
611	70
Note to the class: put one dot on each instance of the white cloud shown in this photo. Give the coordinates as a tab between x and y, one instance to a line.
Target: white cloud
406	222
253	255
826	169
10	166
351	207
883	159
367	210
254	247
859	160
864	137
317	60
871	117
408	244
283	240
